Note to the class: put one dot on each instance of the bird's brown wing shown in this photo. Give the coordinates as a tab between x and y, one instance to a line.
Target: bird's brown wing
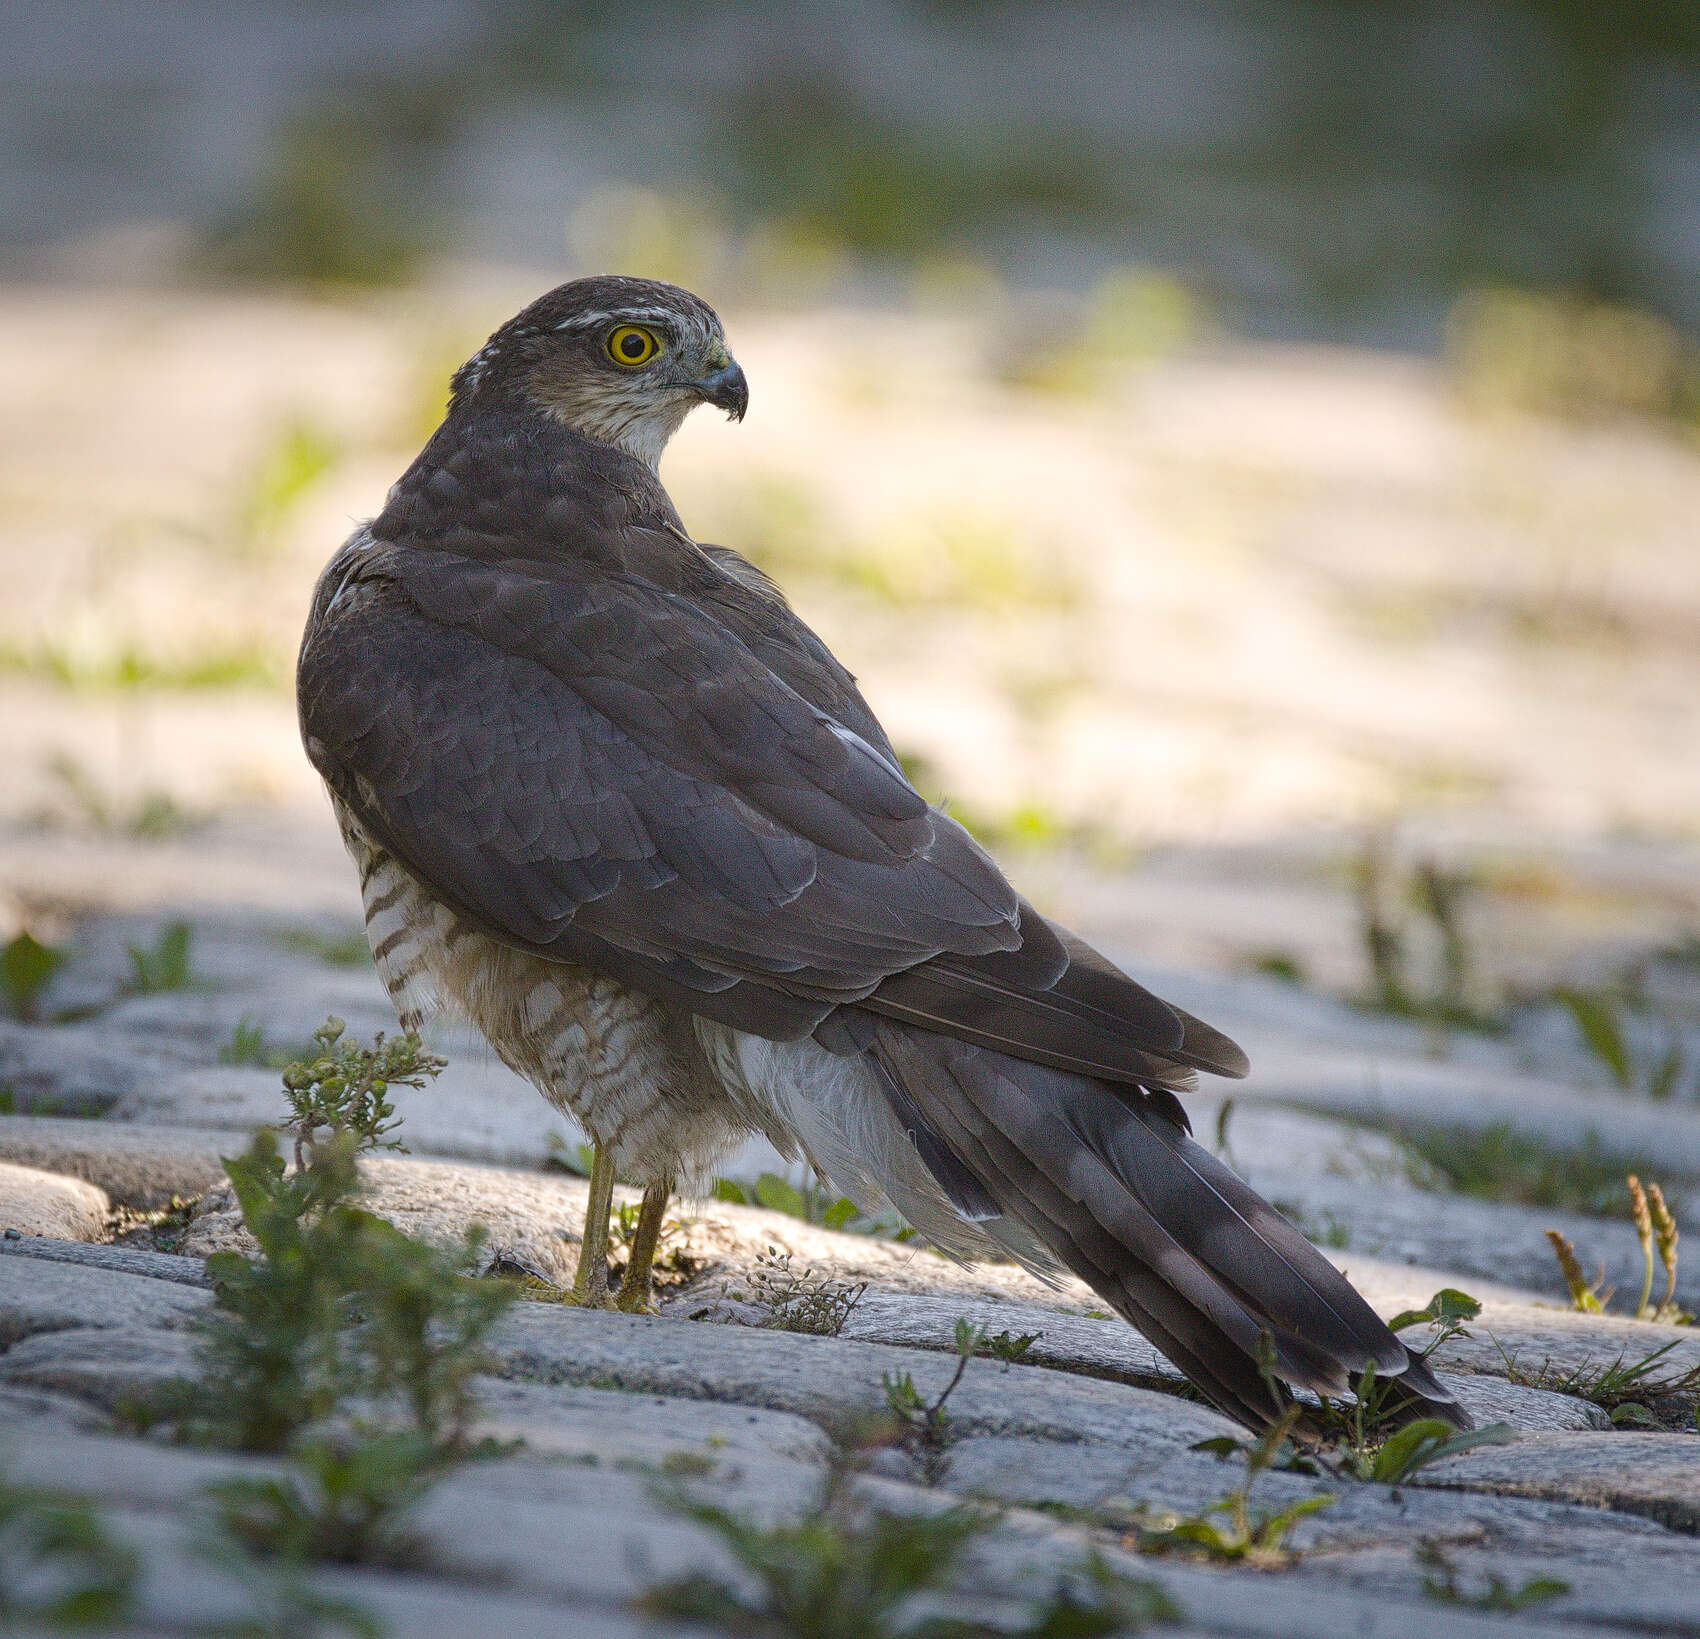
605	770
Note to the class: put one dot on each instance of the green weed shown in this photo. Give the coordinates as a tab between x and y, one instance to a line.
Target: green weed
925	1424
1598	1017
152	817
59	1566
299	454
325	212
1427	1440
672	1263
1007	1347
814	1203
248	1046
848	1571
1498	1163
1372	1443
573	1159
1441	1585
1439	898
345	1088
281	1603
1328	1230
345	1344
343	1499
348	949
1656	1230
1284	965
798	1300
128	667
1618	1383
163	965
1655	1227
27	968
1229	1528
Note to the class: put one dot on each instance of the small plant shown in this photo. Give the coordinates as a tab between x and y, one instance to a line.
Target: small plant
849	1571
299	454
1498	1163
1438	896
1229	1529
1584	1295
248	1047
282	1605
1655	1226
1441	1585
672	1262
1284	965
1373	1444
1620	1383
813	1203
163	965
345	1344
1427	1440
1007	1348
348	949
926	1424
345	1088
1656	1230
1597	1015
247	1044
573	1159
59	1566
152	816
26	969
343	1499
801	1301
1328	1230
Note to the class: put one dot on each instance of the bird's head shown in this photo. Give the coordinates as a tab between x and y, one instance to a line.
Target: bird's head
621	360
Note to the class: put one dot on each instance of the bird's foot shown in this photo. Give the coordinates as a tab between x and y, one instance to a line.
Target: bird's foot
635	1300
604	1299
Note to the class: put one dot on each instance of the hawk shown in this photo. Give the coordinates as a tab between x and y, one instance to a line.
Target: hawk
615	804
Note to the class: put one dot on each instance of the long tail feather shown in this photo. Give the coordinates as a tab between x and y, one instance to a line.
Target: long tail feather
1172	1239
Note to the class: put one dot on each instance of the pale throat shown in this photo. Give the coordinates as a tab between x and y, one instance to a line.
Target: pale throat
640	427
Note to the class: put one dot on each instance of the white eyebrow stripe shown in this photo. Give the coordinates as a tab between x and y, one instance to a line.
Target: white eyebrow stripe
587	321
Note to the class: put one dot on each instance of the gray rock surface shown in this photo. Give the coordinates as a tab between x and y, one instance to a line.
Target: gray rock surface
138	1166
38	1295
604	1414
1634	1472
832	1381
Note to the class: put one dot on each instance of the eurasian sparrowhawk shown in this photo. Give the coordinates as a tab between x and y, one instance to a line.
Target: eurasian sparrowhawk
615	804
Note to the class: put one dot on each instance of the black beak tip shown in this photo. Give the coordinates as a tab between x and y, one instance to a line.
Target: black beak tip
727	390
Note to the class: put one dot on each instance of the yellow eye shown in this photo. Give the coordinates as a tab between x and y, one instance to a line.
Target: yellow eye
632	345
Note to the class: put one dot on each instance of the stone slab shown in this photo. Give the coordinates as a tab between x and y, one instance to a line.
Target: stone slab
50	1204
97	1366
607	1426
138	1166
125	1260
44	1295
1655	1475
832	1381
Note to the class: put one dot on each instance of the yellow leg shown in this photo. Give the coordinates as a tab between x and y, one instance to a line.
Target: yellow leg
634	1293
590	1281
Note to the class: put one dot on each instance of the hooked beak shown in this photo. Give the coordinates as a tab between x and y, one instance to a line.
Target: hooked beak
726	390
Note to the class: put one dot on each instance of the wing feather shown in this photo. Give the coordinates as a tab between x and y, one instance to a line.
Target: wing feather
607	745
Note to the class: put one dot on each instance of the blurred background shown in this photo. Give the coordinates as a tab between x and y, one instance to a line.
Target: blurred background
1249	452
